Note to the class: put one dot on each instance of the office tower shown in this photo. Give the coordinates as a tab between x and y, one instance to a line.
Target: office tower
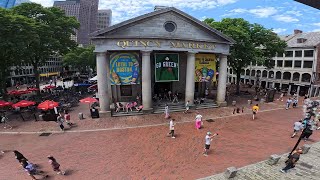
104	18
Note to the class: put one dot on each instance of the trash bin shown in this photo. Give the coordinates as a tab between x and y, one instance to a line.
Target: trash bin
80	116
41	117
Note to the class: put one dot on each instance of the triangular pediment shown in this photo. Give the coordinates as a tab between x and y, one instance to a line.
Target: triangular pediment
151	25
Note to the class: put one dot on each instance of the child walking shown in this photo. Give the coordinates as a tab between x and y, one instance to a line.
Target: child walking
55	165
208	140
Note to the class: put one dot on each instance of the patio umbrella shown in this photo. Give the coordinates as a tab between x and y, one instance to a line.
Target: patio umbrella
49	87
33	89
4	103
23	103
46	105
88	100
14	92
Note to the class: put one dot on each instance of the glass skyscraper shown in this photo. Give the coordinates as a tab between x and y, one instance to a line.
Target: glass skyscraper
11	3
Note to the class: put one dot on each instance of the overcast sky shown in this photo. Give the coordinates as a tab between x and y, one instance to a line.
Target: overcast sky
281	15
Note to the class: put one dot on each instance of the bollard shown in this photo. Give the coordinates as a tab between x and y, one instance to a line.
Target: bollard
234	103
249	102
231	172
273	159
80	116
305	148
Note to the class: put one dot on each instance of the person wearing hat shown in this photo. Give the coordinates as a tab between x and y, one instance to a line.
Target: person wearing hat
208	140
293	159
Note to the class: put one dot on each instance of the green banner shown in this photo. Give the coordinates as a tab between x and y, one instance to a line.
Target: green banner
166	67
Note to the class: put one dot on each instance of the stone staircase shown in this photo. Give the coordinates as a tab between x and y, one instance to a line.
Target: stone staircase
130	113
173	107
207	104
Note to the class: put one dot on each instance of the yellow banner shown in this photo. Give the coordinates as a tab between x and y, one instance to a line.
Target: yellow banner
49	74
205	68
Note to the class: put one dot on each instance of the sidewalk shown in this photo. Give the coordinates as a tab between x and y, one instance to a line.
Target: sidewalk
308	167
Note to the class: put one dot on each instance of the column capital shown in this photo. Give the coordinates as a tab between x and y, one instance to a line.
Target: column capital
146	52
192	52
101	53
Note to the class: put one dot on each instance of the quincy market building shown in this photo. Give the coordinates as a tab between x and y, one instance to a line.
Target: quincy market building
160	51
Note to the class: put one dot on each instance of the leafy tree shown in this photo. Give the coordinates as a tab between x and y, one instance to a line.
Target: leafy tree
254	43
80	58
53	29
16	32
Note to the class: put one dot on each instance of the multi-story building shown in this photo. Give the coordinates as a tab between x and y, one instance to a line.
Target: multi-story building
86	12
312	3
297	70
24	74
104	18
11	3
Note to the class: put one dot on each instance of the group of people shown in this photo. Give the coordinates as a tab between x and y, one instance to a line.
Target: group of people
167	95
64	119
128	106
33	169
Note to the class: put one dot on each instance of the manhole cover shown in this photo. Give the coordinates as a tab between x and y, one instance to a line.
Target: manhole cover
45	134
210	120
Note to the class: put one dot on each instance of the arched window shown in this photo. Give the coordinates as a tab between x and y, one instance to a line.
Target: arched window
278	75
247	72
264	73
271	74
296	76
306	77
286	75
253	72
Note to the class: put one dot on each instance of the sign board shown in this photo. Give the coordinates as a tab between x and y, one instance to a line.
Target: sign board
205	68
166	67
124	68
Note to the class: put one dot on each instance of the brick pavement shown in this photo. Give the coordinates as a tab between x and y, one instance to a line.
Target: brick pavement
308	167
146	153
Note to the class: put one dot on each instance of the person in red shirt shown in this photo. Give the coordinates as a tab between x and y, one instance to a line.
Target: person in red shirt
67	118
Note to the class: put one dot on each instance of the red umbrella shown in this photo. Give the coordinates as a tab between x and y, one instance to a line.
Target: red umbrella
23	103
48	105
89	100
14	92
49	87
4	103
33	89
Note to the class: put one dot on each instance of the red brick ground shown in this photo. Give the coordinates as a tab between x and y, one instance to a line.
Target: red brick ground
146	153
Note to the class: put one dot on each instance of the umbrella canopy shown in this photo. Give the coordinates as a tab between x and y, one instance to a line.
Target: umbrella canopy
49	87
88	100
48	105
23	103
33	89
4	103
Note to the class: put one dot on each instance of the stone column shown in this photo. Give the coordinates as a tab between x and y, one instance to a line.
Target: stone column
103	81
146	82
191	60
221	96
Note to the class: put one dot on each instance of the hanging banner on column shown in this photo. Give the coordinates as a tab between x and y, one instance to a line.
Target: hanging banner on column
124	68
205	68
166	67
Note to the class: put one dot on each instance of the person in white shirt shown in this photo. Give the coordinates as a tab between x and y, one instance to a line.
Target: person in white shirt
289	101
208	140
198	120
187	107
297	126
166	111
171	128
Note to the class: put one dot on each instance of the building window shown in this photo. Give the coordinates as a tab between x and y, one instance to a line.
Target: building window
298	54
307	64
297	64
308	53
289	54
278	75
247	72
253	73
306	77
170	26
279	63
279	54
126	90
271	74
286	75
296	76
287	63
264	73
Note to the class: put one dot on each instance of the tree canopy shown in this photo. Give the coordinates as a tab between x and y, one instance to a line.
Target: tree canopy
80	58
53	31
254	43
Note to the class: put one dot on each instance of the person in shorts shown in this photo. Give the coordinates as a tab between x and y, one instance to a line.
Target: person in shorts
208	140
171	128
255	110
55	165
67	118
297	127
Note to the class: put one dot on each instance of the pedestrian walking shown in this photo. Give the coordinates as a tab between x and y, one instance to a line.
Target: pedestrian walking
281	97
307	132
295	103
187	107
289	101
67	118
55	165
171	128
60	122
4	120
198	121
255	110
166	112
32	170
208	140
20	157
297	127
175	98
292	161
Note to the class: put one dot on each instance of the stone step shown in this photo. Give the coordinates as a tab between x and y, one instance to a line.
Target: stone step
206	106
120	114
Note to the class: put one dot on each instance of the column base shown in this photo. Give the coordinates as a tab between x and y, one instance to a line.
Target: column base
222	104
147	111
104	114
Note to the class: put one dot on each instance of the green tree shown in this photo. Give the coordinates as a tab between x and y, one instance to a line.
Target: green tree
80	58
16	32
53	29
254	43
